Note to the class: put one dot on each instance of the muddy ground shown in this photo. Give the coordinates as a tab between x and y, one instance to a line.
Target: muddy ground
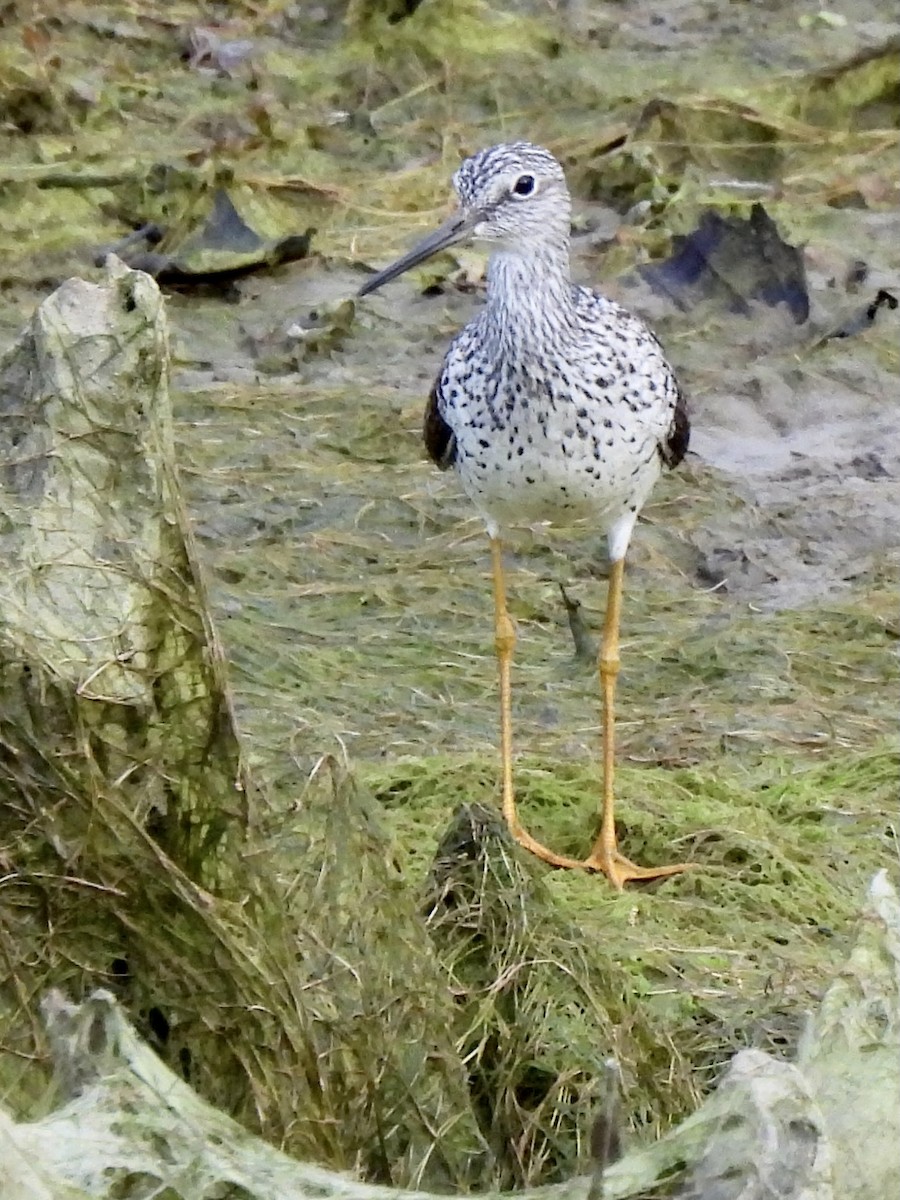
350	580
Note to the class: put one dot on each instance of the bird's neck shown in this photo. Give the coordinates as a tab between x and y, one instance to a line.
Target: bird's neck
529	293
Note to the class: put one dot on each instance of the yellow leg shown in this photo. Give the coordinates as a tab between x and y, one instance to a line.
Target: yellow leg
605	855
504	641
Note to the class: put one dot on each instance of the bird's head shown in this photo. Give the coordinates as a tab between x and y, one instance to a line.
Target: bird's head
513	196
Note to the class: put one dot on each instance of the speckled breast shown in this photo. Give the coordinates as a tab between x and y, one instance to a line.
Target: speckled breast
527	452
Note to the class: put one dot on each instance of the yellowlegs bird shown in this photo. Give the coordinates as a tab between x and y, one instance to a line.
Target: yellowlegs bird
555	404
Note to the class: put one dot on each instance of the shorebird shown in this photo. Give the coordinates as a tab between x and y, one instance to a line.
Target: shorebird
553	404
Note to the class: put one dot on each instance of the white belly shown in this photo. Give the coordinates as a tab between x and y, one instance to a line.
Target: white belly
556	479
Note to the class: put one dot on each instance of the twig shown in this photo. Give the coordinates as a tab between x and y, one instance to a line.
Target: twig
606	1145
585	646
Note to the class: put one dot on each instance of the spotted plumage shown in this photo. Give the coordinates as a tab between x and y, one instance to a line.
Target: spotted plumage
553	403
572	421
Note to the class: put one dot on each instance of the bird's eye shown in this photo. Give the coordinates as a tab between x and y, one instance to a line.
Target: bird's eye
524	185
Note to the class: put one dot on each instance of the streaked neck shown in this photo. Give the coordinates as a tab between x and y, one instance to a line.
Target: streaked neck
529	294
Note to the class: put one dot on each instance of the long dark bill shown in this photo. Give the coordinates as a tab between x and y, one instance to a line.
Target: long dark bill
456	229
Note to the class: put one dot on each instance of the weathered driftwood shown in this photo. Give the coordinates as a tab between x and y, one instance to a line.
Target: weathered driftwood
124	802
127	1127
109	668
850	1054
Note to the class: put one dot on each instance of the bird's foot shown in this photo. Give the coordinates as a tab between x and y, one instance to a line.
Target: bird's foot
620	870
539	850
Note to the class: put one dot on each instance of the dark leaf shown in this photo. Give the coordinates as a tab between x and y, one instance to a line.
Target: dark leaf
864	317
733	261
222	249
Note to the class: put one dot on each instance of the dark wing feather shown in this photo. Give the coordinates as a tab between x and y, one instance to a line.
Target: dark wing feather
440	440
678	435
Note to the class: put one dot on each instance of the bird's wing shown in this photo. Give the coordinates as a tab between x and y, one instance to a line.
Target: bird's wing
674	445
675	434
440	440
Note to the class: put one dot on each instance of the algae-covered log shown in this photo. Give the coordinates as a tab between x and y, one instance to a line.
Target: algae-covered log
280	965
123	798
850	1053
127	1127
109	668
